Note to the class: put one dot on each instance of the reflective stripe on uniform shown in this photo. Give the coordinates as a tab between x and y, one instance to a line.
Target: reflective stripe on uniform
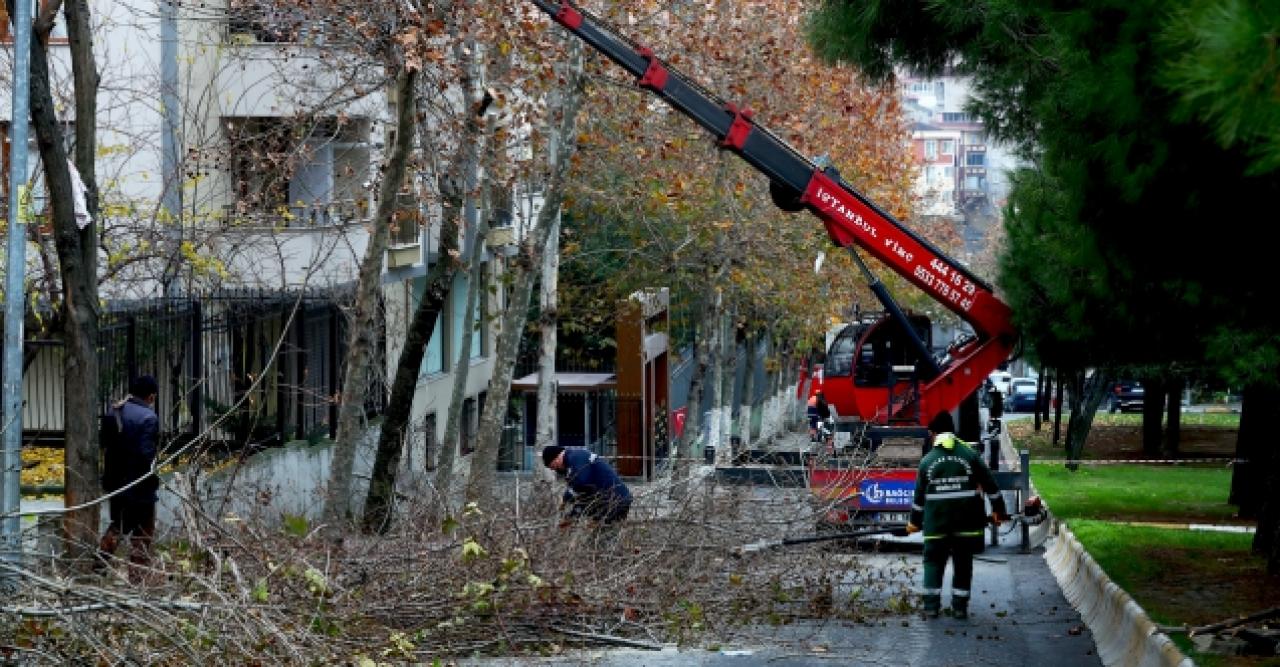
959	593
993	495
918	508
950	495
931	591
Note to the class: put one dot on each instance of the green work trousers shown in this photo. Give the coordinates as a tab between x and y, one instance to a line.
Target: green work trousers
960	549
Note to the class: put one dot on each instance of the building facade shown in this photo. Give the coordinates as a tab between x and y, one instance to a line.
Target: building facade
239	149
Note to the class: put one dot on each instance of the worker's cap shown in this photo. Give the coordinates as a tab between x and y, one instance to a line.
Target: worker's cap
817	392
942	423
549	454
144	386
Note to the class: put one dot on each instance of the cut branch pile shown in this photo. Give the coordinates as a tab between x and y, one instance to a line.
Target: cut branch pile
504	580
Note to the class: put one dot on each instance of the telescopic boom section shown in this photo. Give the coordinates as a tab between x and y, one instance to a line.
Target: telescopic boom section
850	218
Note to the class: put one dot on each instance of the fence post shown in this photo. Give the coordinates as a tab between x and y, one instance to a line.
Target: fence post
131	348
281	375
334	384
197	368
300	371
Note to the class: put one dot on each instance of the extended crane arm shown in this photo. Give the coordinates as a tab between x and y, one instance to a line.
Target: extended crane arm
850	218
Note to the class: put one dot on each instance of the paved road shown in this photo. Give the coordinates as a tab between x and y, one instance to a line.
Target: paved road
1019	617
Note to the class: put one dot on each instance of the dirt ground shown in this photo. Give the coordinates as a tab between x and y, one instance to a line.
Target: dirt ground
1198	587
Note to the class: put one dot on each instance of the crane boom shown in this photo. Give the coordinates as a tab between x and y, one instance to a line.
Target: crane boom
850	217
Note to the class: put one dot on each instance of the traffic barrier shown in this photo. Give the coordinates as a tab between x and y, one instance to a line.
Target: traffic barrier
1122	631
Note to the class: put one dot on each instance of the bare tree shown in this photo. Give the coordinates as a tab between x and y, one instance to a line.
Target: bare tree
77	247
547	385
337	507
485	460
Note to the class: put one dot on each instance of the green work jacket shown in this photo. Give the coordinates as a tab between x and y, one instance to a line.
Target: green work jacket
950	484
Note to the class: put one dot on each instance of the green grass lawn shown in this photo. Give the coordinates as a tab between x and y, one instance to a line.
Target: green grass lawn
1222	419
1179	577
1136	492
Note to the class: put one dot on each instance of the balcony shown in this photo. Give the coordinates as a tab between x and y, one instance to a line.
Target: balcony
405	246
315	215
975	148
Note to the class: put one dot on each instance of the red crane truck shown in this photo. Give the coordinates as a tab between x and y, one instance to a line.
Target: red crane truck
880	376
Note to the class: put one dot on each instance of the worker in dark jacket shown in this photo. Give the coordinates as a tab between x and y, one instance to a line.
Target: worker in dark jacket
129	459
594	489
817	410
949	506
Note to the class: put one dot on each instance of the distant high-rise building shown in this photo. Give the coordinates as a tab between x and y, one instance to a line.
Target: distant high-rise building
963	173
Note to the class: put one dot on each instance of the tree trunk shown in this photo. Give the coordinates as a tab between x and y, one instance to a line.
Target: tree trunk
484	461
1152	416
1173	427
547	386
463	180
461	371
747	400
379	501
1046	407
1057	407
78	266
1041	401
1263	471
1088	397
704	347
728	377
1259	408
359	366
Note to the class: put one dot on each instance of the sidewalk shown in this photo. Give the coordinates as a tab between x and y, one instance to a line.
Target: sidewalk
1019	616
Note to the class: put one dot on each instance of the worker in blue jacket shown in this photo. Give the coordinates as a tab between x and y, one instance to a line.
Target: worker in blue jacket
594	488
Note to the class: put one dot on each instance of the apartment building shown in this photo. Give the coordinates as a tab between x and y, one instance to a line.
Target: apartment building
963	173
237	135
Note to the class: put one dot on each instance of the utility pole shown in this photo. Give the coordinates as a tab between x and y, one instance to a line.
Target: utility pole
15	299
171	179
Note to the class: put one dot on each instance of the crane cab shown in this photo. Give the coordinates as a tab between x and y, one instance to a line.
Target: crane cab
868	364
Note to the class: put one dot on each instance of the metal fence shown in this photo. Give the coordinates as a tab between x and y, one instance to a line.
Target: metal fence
265	368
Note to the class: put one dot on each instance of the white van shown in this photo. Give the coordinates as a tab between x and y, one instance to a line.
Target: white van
1001	380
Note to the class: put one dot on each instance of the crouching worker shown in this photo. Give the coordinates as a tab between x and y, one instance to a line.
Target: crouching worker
594	489
948	505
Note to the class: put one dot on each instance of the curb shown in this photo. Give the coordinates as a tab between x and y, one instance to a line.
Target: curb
1122	631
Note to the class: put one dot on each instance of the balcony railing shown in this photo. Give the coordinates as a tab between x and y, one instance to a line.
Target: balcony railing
307	216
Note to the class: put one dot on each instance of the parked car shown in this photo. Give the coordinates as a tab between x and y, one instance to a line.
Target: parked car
1127	396
1021	396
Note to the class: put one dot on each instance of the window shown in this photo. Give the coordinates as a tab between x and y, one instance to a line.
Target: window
429	441
305	172
975	159
467	426
57	36
948	172
930	149
433	359
948	147
35	171
956	117
479	338
266	20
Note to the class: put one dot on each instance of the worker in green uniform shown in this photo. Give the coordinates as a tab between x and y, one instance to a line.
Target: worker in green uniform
949	506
